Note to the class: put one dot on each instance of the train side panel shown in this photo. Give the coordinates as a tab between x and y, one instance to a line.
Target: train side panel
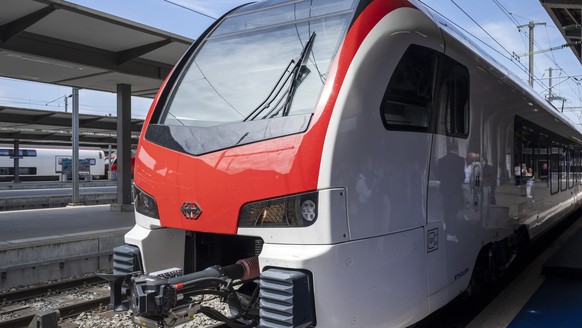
385	173
47	163
376	282
490	215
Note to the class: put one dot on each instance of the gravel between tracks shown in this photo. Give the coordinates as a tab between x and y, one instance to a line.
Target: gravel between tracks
95	319
123	319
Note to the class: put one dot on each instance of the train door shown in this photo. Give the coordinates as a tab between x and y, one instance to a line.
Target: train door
454	200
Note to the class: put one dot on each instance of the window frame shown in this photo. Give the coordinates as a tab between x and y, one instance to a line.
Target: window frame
413	49
439	108
451	69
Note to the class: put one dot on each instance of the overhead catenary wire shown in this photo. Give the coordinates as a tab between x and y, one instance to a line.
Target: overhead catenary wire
506	12
501	50
549	52
509	55
481	27
576	92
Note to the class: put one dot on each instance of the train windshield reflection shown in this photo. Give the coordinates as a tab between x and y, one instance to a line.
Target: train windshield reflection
240	63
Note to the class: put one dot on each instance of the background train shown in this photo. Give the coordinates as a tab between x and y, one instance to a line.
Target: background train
351	162
41	164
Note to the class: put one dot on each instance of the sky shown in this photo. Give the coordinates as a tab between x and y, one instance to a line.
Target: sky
491	24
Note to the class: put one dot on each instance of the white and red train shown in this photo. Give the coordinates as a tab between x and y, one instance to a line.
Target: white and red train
42	163
347	163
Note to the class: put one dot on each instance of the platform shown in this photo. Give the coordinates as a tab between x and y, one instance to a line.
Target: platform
52	194
26	225
558	301
544	294
47	244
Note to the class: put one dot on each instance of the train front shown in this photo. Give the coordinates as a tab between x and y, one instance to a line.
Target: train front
229	201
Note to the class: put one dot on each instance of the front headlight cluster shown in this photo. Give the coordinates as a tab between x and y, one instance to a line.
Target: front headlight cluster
291	211
145	204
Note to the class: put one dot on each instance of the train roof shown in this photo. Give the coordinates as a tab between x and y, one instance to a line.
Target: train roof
28	146
560	124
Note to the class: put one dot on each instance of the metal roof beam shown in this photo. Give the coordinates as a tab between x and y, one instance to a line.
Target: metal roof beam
9	136
9	30
44	119
39	118
66	51
569	13
86	121
91	13
49	119
129	54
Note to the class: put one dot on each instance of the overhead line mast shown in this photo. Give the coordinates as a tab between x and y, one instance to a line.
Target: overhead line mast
531	26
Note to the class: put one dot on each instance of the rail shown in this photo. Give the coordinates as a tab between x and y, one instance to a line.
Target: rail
65	309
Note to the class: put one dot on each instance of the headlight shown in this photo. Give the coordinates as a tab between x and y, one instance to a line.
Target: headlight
291	211
145	204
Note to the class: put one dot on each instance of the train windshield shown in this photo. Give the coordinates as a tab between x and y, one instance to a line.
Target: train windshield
267	60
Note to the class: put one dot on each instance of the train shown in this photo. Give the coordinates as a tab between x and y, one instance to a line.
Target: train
39	163
337	164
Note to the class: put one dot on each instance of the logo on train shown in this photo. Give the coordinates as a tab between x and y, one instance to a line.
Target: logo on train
191	210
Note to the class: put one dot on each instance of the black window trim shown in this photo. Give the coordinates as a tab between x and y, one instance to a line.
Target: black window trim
440	74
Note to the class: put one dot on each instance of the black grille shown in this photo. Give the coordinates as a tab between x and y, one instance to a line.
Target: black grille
126	259
285	299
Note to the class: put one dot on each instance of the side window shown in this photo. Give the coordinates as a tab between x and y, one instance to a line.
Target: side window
407	102
570	168
454	100
563	170
21	152
28	152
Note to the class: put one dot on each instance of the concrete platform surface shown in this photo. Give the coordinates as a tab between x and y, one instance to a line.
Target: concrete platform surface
504	309
28	225
556	303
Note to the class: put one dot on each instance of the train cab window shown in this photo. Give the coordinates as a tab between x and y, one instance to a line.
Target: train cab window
407	102
454	99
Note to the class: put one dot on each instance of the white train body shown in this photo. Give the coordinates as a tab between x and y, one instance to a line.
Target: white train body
39	163
410	151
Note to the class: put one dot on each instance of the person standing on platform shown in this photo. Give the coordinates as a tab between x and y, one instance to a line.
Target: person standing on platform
529	180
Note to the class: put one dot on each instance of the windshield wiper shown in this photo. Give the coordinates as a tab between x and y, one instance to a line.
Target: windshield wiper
297	74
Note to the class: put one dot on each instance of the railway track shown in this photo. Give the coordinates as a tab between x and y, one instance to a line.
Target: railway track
70	298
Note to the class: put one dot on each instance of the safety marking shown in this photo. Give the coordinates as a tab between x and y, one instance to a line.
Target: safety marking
432	240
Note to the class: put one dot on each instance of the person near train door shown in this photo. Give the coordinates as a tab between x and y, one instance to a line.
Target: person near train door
470	184
529	180
489	173
450	174
517	174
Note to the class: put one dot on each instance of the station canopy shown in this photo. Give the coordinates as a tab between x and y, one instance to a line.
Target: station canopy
567	15
62	43
58	42
51	127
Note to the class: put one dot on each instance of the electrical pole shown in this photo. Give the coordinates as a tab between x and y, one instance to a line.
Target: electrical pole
75	157
550	96
531	26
